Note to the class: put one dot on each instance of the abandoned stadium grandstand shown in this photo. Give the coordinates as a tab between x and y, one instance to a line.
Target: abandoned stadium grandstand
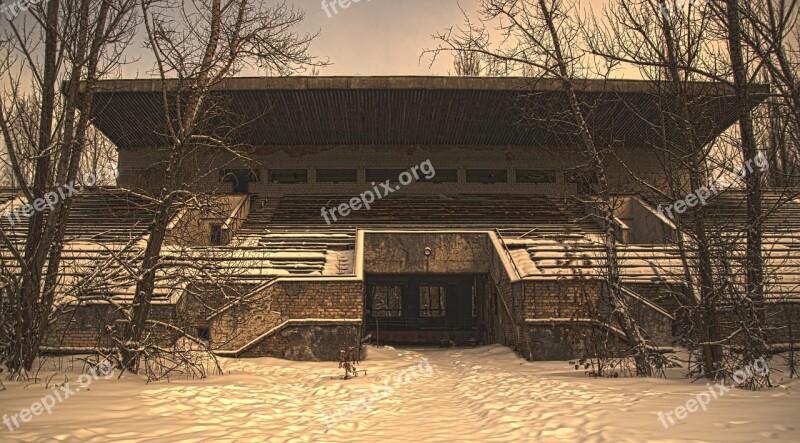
496	247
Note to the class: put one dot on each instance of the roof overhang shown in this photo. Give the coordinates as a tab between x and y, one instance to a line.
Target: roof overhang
396	111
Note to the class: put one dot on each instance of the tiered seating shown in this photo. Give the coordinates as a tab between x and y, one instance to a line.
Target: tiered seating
90	269
728	212
781	234
5	197
255	264
534	216
423	210
547	258
726	216
105	227
292	231
556	259
295	248
102	215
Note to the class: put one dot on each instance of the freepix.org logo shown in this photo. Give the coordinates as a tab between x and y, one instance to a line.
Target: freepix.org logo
107	172
366	198
331	5
11	10
670	7
59	394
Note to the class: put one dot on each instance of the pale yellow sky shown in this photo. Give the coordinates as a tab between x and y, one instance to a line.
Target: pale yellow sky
374	37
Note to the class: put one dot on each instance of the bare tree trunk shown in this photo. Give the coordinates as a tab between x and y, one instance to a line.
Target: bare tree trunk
707	315
57	150
754	262
238	33
614	282
530	40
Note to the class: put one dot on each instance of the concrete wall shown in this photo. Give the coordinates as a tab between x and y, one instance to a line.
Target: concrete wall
139	168
645	225
403	253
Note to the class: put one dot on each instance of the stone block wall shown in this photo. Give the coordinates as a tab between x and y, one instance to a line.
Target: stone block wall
248	320
670	297
509	324
567	341
311	342
323	303
656	326
576	311
557	300
565	298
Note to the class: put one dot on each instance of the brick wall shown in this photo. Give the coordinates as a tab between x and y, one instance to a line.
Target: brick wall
566	299
509	324
84	326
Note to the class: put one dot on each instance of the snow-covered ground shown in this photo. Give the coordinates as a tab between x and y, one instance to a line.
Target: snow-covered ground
482	394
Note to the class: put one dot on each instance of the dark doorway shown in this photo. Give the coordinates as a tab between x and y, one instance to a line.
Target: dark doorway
423	309
216	235
240	179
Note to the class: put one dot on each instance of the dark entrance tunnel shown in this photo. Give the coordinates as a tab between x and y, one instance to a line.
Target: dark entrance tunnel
428	309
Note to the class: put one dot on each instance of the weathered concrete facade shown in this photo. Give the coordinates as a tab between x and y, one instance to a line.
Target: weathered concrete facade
491	251
139	169
417	252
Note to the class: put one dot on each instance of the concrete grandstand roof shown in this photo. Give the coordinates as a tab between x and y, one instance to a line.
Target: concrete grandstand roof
396	111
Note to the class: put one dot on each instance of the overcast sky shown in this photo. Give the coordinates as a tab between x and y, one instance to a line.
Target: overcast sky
375	37
381	37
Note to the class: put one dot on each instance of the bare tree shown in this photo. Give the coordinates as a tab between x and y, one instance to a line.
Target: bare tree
210	41
770	30
44	132
753	181
683	47
545	36
668	49
467	63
